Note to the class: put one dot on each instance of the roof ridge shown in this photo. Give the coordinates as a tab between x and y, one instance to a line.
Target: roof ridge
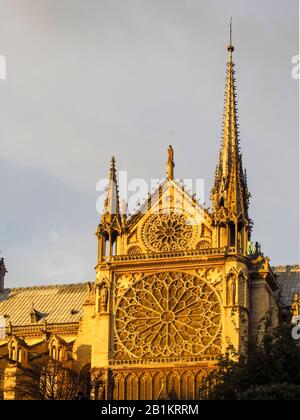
286	268
49	286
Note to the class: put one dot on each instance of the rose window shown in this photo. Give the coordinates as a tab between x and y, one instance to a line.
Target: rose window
169	232
166	315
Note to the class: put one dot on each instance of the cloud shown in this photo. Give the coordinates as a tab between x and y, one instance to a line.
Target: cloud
58	257
85	82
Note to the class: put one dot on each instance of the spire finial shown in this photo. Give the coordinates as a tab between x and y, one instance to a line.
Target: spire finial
113	163
170	163
230	47
112	171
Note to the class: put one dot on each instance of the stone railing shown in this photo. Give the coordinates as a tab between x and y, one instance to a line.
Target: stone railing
175	254
29	329
158	360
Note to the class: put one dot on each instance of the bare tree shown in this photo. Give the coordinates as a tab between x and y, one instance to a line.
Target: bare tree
47	379
98	384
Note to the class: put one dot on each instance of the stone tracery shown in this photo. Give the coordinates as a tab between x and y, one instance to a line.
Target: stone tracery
170	314
169	231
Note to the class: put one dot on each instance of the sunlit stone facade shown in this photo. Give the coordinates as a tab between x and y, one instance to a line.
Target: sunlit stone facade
175	283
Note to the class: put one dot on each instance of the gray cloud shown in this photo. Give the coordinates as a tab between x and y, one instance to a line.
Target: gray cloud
86	80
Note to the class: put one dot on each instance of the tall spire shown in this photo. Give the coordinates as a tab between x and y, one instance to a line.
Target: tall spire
230	186
229	195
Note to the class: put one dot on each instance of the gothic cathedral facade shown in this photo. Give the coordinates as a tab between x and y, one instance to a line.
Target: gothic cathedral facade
175	283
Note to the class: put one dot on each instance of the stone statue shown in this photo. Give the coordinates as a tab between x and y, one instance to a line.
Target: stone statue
231	291
170	154
170	164
103	298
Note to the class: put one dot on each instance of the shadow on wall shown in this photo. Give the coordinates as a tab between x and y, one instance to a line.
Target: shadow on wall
83	355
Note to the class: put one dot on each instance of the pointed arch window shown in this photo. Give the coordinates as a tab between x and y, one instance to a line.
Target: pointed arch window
231	234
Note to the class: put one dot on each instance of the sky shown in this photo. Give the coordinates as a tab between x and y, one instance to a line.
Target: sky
86	80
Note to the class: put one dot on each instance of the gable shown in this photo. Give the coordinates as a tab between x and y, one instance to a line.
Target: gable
171	220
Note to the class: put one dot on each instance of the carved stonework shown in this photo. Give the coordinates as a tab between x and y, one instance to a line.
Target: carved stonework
166	315
295	305
103	296
159	384
231	290
169	231
124	281
134	250
203	245
214	276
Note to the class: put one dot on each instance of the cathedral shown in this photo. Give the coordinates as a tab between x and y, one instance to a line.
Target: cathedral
175	284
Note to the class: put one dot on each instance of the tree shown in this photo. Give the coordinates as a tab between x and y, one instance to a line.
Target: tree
98	384
269	369
47	379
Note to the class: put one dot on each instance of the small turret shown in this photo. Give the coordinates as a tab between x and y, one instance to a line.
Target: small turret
110	226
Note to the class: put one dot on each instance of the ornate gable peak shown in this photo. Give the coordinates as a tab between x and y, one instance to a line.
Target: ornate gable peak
175	188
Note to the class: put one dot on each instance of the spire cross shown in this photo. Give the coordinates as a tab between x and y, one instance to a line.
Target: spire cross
230	47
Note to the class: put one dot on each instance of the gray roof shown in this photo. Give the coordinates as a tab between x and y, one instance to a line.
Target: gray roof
288	278
55	304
